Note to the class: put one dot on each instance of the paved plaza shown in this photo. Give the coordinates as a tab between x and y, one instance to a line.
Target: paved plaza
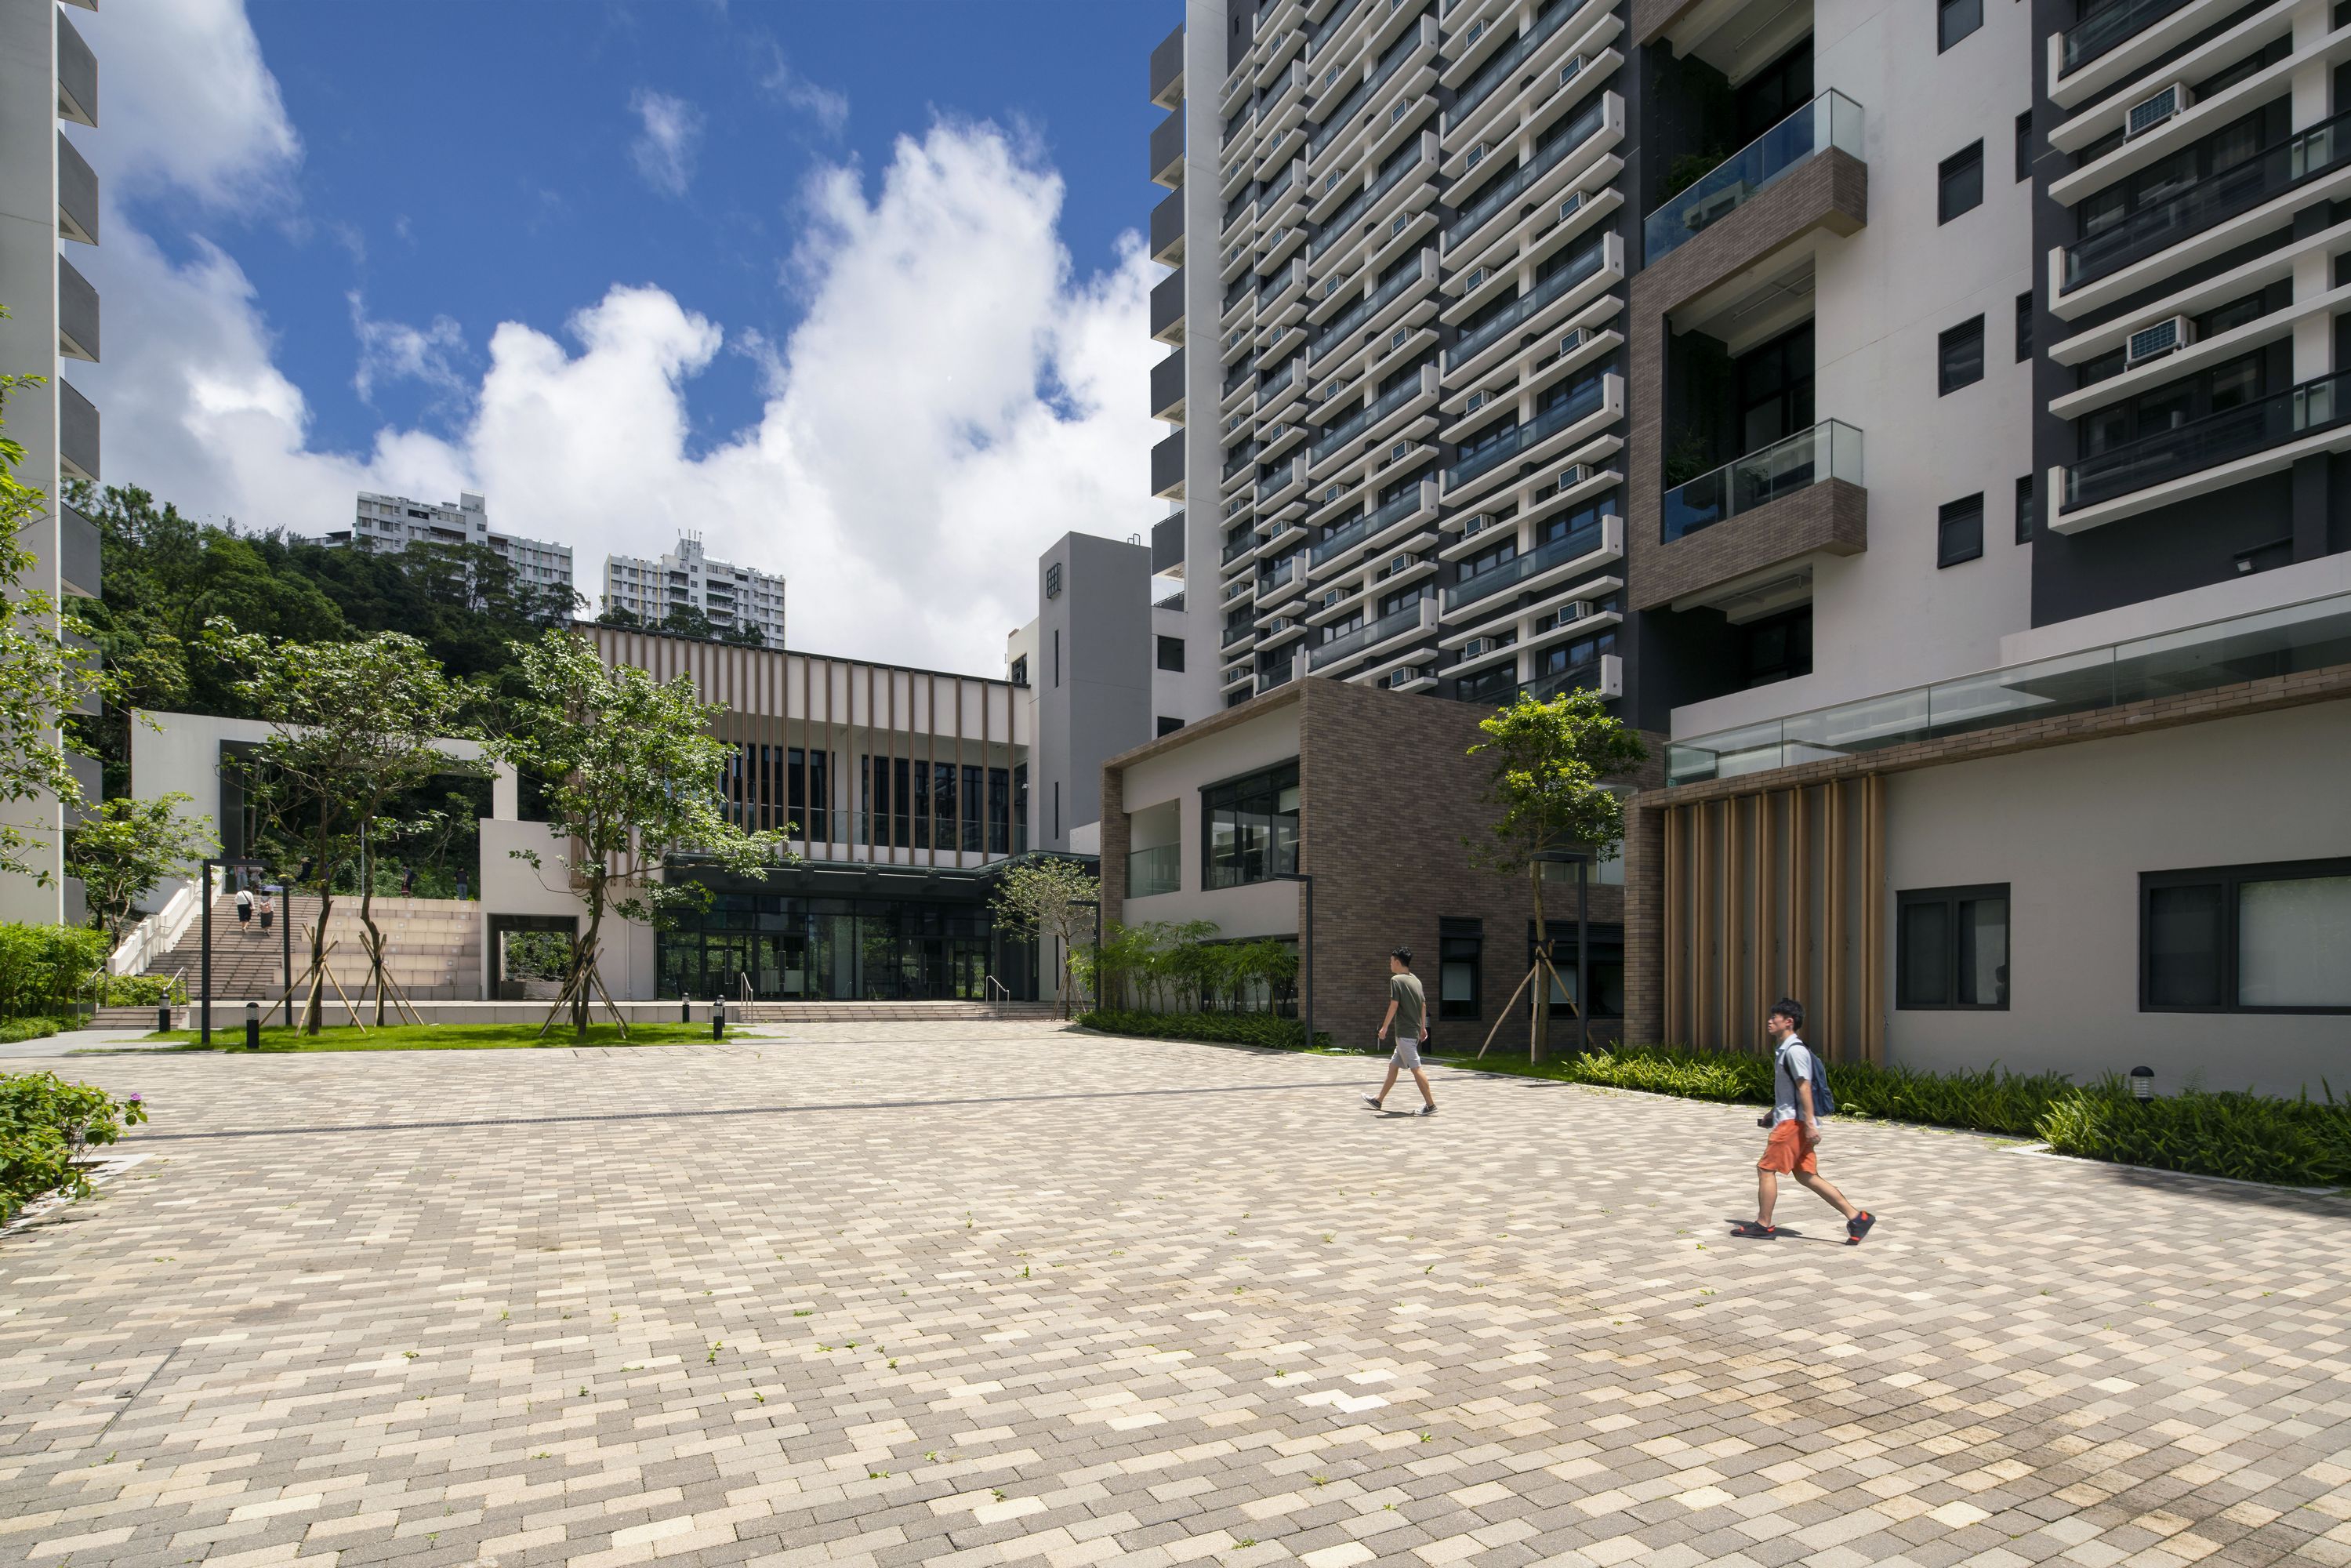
991	1293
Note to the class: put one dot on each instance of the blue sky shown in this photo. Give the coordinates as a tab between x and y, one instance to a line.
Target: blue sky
477	168
851	288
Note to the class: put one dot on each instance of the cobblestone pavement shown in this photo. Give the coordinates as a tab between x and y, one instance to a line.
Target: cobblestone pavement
989	1293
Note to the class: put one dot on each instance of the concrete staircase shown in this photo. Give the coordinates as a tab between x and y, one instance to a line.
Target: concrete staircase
432	948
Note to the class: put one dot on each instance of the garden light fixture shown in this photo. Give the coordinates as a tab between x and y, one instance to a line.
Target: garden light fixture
2142	1083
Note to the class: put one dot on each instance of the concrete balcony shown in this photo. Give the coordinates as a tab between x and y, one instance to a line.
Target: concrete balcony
78	433
1168	151
78	554
1167	71
1167	230
77	314
76	76
1766	512
76	194
1167	468
1168	389
1830	124
1167	307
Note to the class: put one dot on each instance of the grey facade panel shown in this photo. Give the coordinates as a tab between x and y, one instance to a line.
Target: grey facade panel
77	552
1167	307
1167	385
1168	150
1167	544
76	76
1167	71
1167	468
78	313
77	194
1167	230
78	431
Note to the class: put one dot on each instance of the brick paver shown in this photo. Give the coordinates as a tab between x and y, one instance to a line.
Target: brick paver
987	1293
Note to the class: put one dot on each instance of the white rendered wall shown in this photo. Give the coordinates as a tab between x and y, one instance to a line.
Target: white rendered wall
2070	829
1260	909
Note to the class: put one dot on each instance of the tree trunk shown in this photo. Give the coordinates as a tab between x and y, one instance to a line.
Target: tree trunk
1538	1045
583	963
374	938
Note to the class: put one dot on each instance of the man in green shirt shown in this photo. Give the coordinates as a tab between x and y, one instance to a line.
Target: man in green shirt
1406	1026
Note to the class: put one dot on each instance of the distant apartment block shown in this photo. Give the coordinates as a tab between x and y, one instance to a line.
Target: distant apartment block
655	587
396	522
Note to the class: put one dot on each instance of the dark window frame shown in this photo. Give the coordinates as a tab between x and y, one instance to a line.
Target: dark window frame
1165	644
1948	12
2027	506
2025	327
1952	198
1233	795
1953	339
2024	147
1907	899
2231	879
1959	511
1461	940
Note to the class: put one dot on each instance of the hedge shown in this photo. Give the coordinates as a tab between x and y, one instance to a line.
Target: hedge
45	970
16	1029
1216	1028
45	1126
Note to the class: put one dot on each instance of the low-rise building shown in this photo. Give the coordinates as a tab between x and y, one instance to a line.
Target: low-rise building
652	589
397	522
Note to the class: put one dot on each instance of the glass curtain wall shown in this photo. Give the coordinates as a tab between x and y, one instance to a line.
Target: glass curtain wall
828	949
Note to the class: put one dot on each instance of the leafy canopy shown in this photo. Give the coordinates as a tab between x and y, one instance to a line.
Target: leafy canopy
1547	761
127	847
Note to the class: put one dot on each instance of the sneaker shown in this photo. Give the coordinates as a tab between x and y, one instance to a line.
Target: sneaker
1426	1110
1752	1231
1858	1227
1373	1102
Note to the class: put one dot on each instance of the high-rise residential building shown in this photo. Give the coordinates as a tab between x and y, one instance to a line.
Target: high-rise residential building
731	595
1972	497
1397	371
49	196
396	522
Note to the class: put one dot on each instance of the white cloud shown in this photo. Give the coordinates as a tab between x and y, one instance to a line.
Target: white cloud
189	102
663	150
904	471
393	351
829	107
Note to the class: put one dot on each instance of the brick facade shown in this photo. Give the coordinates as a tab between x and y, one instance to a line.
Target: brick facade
1828	519
1389	799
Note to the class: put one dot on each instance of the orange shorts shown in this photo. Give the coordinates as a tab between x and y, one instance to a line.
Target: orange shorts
1789	1151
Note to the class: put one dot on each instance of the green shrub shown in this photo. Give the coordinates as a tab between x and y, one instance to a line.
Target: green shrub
45	1124
2299	1143
45	970
142	990
1219	1028
15	1029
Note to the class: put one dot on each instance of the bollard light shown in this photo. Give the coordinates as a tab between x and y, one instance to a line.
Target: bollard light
2142	1080
162	1016
253	1026
685	1010
718	1018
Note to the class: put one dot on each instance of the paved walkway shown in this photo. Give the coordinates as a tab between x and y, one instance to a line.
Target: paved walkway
996	1294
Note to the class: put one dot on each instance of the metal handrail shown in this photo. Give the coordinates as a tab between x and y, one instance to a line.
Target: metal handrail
998	994
750	1002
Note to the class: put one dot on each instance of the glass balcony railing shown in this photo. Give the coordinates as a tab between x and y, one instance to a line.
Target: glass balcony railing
1333	334
1336	121
1480	337
1355	424
1276	483
1518	567
1279	675
2110	26
1372	634
1236	549
1586	398
1341	224
2312	635
1829	450
1159	869
2216	198
1242	633
1831	120
2217	438
1506	60
1556	144
1574	678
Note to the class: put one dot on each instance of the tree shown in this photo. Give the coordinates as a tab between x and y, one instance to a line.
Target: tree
743	634
128	848
1548	760
687	621
1046	899
43	676
353	726
618	615
632	778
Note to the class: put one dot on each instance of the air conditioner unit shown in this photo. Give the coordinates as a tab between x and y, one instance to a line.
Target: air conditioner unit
1477	155
2166	336
2149	112
1333	493
1477	31
1398	564
1567	72
1477	647
1567	209
1573	341
1478	525
1397	453
1333	597
1575	474
1469	284
1476	400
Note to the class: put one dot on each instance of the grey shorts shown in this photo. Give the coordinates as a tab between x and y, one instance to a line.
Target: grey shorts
1407	1052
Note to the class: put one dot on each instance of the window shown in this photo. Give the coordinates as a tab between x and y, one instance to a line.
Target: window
1460	955
1171	653
1053	579
1169	725
2247	938
2025	509
1250	828
1772	384
1958	530
1057	656
2162	409
1777	647
1951	948
2025	146
1959	357
1959	186
1056	808
1020	676
2024	326
1954	20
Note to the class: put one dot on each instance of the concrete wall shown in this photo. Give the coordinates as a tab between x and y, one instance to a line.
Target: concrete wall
1092	675
511	886
2069	828
1176	776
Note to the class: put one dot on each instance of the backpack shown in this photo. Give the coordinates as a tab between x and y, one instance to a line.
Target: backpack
1824	1101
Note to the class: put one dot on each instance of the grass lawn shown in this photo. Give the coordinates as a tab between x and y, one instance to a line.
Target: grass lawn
444	1037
